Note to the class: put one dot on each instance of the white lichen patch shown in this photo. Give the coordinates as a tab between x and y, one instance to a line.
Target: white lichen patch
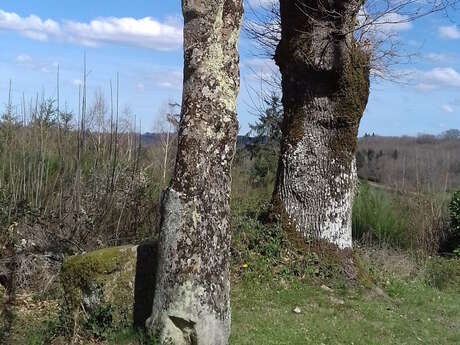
187	315
198	321
318	202
337	228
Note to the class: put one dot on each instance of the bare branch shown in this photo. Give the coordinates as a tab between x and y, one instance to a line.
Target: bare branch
378	23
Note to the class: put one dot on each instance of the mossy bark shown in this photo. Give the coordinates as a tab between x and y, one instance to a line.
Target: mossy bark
325	83
191	303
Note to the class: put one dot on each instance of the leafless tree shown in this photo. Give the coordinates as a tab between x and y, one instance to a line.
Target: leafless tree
326	53
166	127
376	28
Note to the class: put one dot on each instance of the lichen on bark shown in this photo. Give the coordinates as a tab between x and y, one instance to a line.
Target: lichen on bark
191	303
325	83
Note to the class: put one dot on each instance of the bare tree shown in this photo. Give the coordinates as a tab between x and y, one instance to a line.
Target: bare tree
191	303
326	53
325	83
96	118
167	126
375	29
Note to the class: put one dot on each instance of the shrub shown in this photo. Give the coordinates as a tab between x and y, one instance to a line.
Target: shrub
253	238
99	323
428	222
263	171
442	273
376	217
454	209
452	241
262	250
418	222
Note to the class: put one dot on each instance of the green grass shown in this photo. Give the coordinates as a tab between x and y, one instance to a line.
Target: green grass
263	314
270	280
378	212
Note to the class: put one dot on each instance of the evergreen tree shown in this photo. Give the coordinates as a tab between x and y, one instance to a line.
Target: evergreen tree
268	127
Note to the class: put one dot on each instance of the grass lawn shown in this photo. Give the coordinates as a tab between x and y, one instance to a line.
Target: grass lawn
416	314
262	313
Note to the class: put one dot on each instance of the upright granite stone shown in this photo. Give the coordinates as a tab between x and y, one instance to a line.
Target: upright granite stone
114	279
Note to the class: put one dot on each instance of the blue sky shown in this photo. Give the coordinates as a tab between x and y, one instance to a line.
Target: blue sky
142	40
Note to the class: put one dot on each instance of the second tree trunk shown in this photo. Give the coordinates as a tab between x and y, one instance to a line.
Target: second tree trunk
325	83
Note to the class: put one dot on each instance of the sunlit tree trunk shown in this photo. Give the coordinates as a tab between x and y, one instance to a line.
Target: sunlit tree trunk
325	83
191	303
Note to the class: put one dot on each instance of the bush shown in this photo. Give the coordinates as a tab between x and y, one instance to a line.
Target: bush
261	250
418	222
454	209
263	170
253	238
452	241
376	218
99	323
441	273
428	222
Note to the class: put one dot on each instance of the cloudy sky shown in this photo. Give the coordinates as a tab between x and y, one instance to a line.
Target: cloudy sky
142	40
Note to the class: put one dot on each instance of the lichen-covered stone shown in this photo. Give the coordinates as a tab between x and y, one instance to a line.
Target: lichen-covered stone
110	278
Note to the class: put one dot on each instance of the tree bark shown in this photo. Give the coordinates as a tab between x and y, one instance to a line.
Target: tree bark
325	83
191	303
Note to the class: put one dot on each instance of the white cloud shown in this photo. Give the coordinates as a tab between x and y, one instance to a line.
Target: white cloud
166	84
169	79
261	68
438	58
159	77
23	58
32	26
436	78
144	32
26	61
140	87
423	87
392	21
447	108
383	24
261	3
444	76
451	32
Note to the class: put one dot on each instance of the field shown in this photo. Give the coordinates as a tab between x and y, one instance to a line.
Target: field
408	312
279	297
414	314
404	287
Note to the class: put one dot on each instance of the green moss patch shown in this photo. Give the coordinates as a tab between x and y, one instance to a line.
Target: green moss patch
101	281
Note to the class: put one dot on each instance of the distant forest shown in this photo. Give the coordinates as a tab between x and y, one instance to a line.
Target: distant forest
425	163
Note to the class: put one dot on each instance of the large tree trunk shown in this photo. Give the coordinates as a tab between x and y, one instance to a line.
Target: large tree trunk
325	83
191	303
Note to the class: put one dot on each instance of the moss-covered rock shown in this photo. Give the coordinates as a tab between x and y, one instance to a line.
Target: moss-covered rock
101	285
